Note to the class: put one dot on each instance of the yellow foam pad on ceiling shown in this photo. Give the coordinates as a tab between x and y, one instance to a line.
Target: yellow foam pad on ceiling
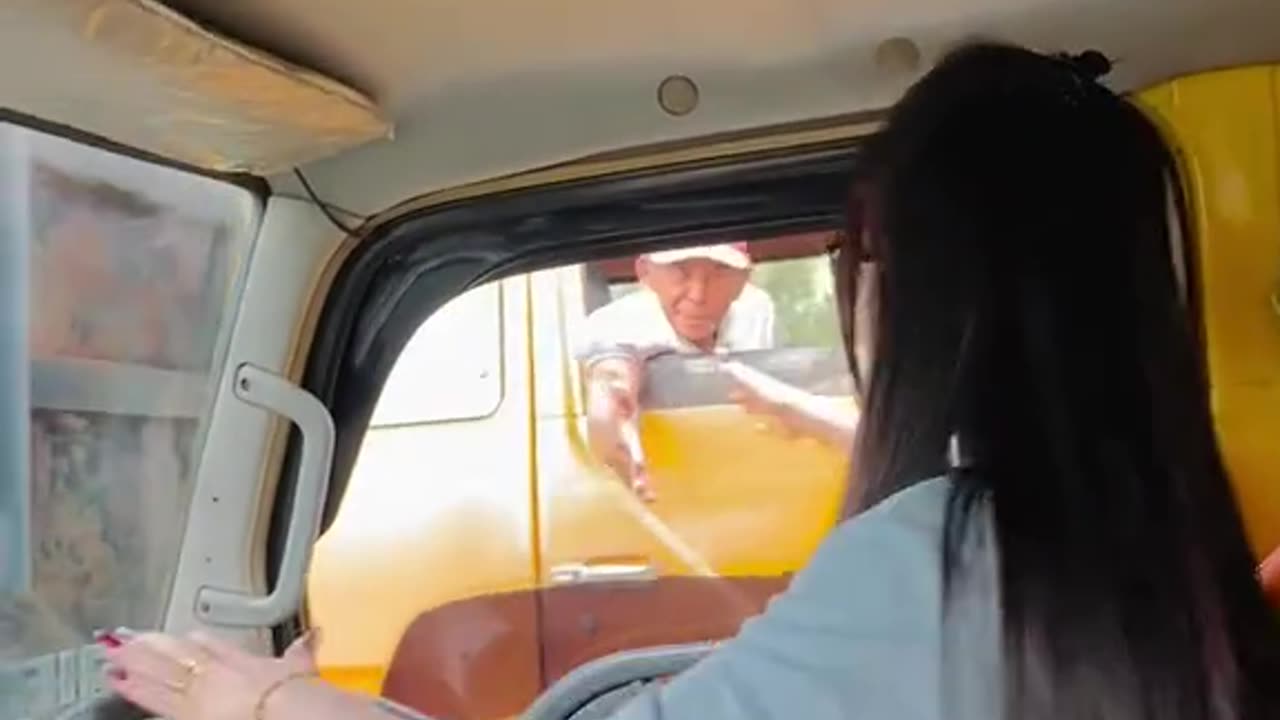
139	74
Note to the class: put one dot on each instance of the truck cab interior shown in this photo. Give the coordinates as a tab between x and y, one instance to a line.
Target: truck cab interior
224	222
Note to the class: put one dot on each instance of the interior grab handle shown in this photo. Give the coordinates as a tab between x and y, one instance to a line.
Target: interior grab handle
266	390
602	573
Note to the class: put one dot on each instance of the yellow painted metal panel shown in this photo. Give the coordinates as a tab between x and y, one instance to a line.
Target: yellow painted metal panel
1226	129
434	514
722	481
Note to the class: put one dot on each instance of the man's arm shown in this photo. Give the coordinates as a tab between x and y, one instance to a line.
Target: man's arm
613	382
615	345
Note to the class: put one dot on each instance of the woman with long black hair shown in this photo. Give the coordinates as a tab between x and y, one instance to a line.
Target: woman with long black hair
1043	526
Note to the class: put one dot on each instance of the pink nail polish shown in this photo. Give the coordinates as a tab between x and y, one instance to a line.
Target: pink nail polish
108	640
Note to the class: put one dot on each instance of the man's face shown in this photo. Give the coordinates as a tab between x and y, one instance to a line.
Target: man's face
695	294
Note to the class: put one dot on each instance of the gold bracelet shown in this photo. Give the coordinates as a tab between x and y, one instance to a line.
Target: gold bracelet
260	709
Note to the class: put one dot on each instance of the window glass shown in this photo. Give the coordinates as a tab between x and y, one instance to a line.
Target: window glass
653	539
117	306
452	367
803	292
790	281
473	563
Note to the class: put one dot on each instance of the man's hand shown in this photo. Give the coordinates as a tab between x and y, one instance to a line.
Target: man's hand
613	418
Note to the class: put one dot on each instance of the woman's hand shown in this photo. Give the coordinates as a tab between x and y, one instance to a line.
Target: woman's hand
764	396
795	411
199	677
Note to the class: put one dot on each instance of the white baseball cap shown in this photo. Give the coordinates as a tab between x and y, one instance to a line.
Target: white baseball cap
734	255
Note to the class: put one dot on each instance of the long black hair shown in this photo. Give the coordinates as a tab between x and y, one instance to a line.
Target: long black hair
1027	312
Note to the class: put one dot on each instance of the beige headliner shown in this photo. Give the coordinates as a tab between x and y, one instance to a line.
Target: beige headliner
481	88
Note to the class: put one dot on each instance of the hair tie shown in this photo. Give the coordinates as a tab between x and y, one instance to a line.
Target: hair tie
1091	64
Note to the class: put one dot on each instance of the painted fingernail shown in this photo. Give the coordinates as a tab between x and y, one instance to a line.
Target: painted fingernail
107	639
117	674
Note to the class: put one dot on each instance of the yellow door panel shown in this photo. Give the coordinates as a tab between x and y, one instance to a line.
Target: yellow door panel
722	482
439	509
725	480
1227	134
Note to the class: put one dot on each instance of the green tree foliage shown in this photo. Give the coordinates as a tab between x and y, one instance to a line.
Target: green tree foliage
803	294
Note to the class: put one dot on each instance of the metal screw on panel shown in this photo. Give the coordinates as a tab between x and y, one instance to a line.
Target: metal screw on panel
678	95
898	54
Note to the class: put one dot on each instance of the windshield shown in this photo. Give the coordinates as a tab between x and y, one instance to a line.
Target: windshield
118	278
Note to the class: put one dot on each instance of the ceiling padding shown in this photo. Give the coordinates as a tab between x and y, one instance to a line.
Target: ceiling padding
137	73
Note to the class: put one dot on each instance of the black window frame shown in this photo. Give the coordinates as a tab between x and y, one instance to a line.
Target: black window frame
409	268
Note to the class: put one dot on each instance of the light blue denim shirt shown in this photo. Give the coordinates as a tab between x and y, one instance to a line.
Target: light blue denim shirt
861	631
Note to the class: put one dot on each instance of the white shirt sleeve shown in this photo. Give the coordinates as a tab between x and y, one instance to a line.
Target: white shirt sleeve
633	325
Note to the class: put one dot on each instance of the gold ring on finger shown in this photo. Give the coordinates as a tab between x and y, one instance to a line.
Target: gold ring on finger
191	670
